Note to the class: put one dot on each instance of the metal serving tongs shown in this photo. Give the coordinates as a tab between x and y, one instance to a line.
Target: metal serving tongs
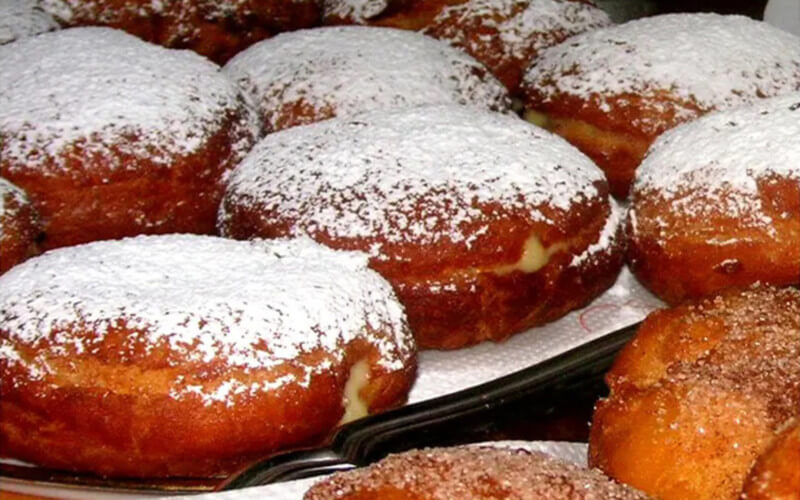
452	419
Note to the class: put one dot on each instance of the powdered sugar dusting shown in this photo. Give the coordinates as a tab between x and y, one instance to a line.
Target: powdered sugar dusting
10	196
22	18
107	90
353	69
254	304
523	26
354	10
711	60
415	175
609	237
715	163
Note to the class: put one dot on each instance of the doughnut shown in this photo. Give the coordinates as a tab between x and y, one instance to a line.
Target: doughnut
612	91
504	35
215	29
471	472
22	18
111	136
716	203
311	75
776	474
189	355
19	226
484	224
507	35
700	393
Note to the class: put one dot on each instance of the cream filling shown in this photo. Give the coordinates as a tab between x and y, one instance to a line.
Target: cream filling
354	406
537	118
534	257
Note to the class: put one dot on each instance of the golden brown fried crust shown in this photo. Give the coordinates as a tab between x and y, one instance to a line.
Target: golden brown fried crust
206	27
616	134
454	297
776	475
679	256
96	414
19	234
698	395
92	201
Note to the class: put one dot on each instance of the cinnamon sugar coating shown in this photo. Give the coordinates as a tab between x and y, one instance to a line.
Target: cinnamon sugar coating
216	29
699	394
188	355
449	202
471	472
19	226
776	475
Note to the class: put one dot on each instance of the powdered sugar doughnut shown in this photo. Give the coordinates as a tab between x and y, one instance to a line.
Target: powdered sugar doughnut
700	393
21	18
310	75
217	30
716	203
19	226
507	35
612	91
504	35
111	136
471	472
484	224
189	355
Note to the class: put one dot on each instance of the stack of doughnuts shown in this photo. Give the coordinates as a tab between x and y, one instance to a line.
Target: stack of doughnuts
21	18
700	393
189	355
484	224
310	75
111	136
484	472
19	226
612	91
217	30
716	203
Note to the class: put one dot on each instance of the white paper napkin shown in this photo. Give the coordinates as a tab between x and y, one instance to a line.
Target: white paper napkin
446	372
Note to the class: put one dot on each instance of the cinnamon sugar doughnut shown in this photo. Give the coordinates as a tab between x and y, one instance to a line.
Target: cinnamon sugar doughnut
22	18
19	226
188	355
111	136
310	75
471	472
484	224
612	91
716	203
699	394
776	474
215	29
